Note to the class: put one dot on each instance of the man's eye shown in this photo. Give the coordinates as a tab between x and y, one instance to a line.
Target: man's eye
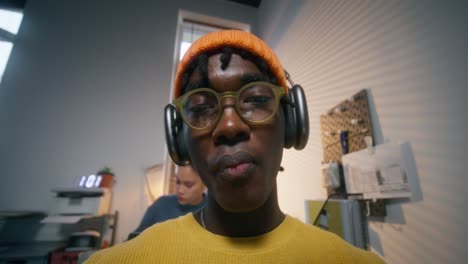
259	100
200	108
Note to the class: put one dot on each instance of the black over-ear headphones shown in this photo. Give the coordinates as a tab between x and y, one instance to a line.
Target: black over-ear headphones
296	117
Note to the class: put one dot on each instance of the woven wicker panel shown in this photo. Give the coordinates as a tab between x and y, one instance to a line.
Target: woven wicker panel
350	115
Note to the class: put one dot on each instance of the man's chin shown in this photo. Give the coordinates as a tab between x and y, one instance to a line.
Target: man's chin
240	207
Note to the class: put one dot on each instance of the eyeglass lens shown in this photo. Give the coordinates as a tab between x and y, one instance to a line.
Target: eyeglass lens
256	103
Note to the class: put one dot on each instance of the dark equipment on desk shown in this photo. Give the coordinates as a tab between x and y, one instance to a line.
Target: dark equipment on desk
83	241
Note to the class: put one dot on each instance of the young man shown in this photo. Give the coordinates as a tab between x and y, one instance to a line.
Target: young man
230	89
189	197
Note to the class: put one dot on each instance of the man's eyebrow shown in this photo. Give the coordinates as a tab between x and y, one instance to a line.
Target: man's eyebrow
252	77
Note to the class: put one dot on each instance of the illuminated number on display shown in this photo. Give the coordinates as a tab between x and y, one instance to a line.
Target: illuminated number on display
90	181
98	181
82	181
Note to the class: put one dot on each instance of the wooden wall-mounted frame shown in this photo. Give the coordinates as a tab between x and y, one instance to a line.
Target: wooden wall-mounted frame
351	115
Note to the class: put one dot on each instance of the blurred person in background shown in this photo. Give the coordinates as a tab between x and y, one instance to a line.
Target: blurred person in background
189	197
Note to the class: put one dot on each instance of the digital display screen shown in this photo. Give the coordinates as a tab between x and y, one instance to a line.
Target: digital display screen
90	181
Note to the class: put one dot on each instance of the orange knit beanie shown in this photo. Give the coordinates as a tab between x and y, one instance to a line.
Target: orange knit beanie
232	38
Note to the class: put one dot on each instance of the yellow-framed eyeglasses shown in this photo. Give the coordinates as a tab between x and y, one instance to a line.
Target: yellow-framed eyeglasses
256	103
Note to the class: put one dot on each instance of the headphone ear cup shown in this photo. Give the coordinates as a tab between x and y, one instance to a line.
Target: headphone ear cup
174	140
290	123
302	117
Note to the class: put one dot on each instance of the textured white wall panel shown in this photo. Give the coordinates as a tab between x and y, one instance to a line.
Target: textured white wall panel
411	56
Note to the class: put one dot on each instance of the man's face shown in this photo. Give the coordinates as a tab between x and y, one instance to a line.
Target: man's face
188	186
238	162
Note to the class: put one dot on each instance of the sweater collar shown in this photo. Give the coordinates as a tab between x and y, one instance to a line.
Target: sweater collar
267	241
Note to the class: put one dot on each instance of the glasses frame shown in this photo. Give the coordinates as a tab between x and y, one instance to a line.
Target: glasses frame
277	90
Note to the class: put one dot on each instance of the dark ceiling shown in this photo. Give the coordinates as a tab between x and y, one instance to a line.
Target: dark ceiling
13	4
19	4
254	3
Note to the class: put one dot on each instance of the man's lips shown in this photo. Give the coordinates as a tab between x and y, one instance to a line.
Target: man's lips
237	169
234	166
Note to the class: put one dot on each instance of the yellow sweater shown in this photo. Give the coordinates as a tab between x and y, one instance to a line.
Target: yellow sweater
183	240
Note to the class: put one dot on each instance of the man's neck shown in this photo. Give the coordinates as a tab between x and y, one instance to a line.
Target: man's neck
257	222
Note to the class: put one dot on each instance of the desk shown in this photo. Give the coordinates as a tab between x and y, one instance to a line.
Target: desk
24	239
29	253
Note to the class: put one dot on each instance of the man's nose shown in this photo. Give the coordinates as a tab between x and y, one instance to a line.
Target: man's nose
230	128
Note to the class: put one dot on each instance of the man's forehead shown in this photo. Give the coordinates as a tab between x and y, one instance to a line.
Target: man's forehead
238	69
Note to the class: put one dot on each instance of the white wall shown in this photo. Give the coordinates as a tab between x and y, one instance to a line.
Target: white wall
85	88
412	57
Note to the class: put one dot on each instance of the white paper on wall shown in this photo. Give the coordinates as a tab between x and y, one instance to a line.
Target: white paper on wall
378	173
